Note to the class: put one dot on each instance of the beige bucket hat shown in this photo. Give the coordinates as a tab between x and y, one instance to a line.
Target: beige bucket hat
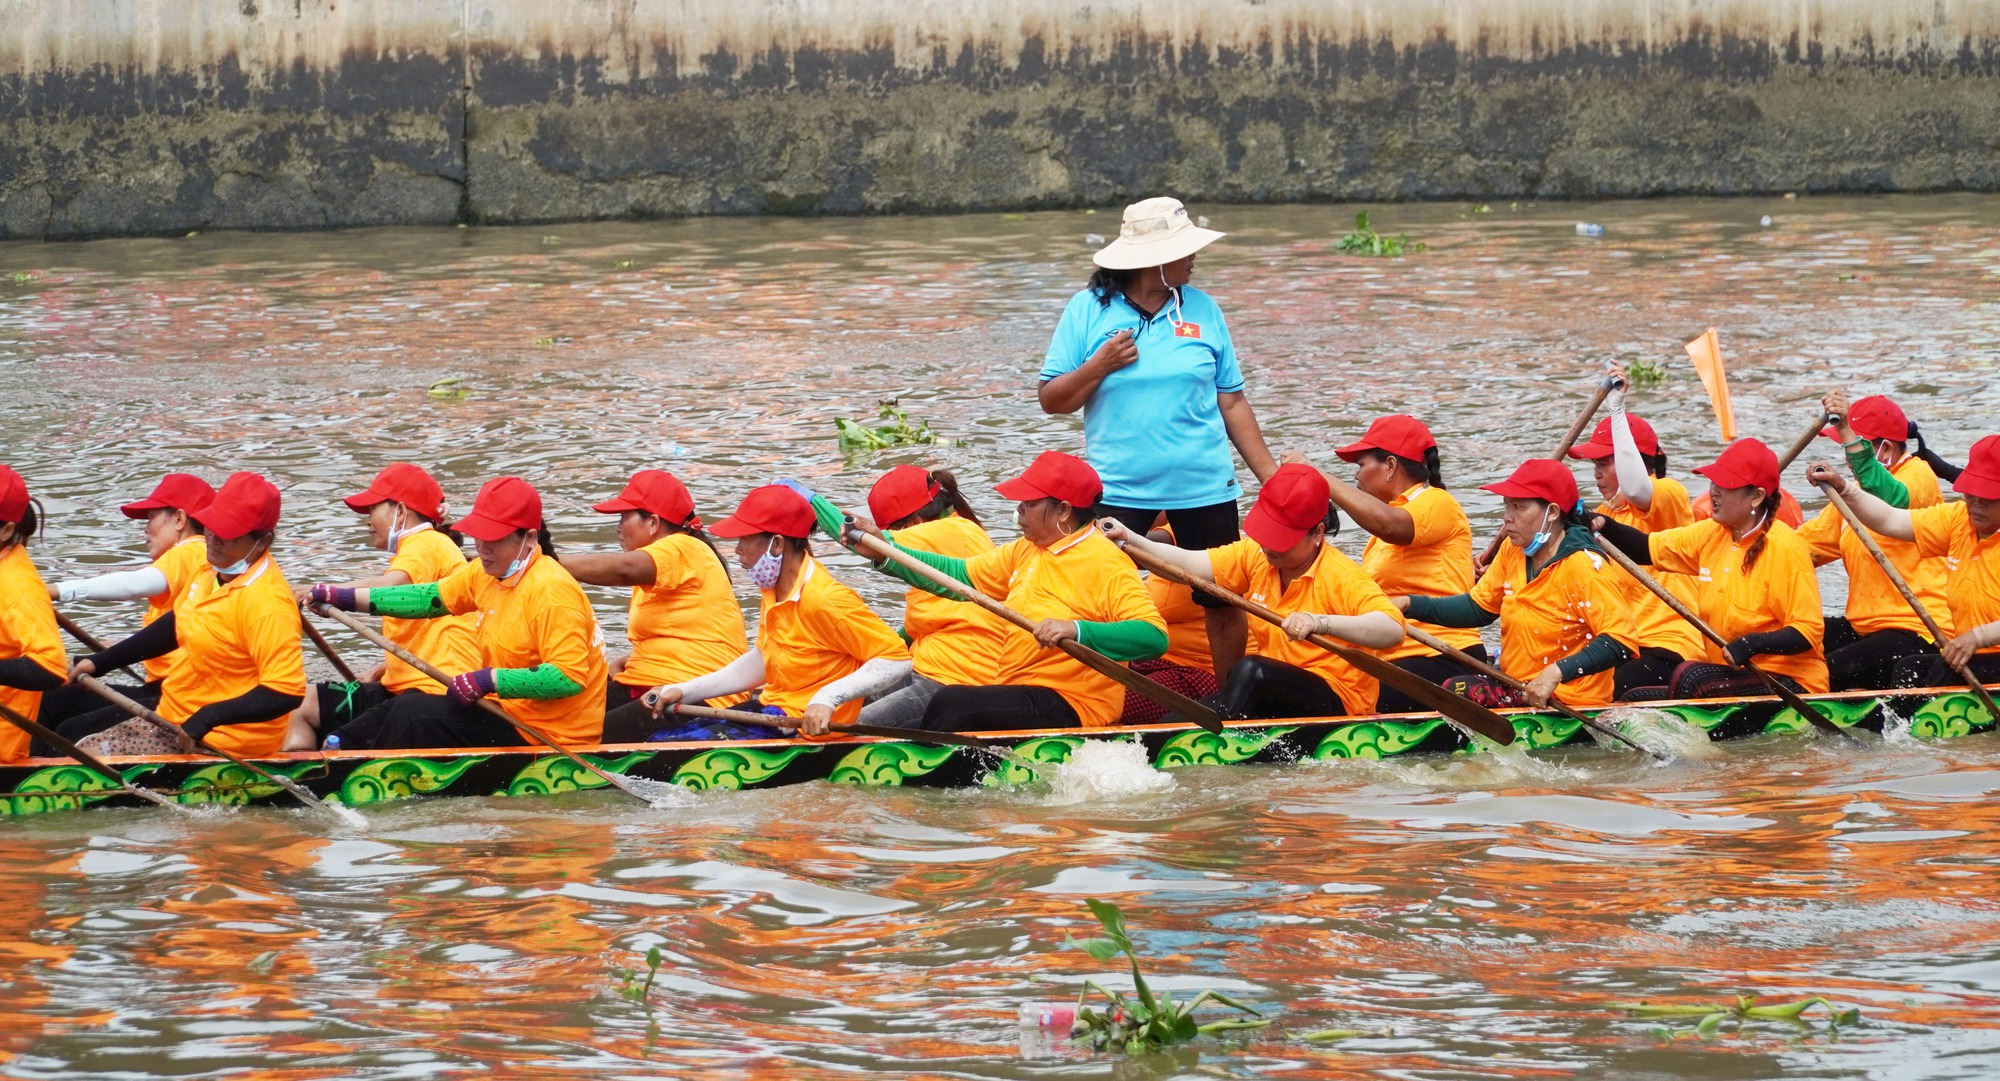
1155	232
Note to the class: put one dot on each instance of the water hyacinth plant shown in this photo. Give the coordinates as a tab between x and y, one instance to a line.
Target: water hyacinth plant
1709	1018
899	432
1146	1022
633	989
1364	240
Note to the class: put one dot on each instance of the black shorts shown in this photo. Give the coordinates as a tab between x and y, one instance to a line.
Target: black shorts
341	703
1195	528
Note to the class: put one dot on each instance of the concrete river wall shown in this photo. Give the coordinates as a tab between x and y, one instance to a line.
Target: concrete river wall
153	116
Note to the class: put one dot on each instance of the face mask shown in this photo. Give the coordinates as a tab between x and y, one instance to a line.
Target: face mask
396	534
241	566
764	573
1541	538
520	563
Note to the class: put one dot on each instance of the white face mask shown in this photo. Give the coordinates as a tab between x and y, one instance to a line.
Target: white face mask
764	573
397	533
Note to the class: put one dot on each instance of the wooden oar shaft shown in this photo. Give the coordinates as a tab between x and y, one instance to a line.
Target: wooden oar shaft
88	640
90	761
1457	709
1569	439
1804	440
1433	642
1902	585
1167	698
427	668
326	650
908	735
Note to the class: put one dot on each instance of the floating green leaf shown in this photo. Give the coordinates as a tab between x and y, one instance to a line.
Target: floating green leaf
898	432
1147	1022
1364	240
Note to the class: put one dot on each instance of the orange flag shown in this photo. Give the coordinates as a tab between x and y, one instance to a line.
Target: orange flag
1706	352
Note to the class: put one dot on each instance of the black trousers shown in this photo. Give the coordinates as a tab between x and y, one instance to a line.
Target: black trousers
1933	672
1867	662
1196	529
1259	687
75	700
1433	669
97	720
1653	667
416	719
341	704
998	709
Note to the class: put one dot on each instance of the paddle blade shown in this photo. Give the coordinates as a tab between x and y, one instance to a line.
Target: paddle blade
1706	352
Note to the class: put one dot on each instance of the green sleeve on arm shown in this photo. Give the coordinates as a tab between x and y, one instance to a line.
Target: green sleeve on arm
1456	611
950	565
541	681
1125	640
1875	478
832	520
407	602
1601	654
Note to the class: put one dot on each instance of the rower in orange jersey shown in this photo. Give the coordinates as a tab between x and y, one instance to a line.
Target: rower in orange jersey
31	650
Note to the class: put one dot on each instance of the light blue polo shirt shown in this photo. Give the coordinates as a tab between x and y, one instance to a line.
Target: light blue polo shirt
1152	429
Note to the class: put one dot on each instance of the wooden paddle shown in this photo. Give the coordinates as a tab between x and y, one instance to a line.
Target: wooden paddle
1171	700
89	641
364	630
744	716
1461	711
1562	451
297	790
1789	696
91	761
1804	440
1439	645
327	651
1903	586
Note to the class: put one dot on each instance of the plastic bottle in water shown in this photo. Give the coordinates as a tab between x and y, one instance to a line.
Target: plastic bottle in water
1054	1017
1589	228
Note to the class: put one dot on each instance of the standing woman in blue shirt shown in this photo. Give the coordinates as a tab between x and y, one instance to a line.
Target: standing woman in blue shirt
1148	359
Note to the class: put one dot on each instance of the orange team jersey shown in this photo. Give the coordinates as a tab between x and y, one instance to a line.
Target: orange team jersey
1187	626
1653	623
1572	601
1436	563
1873	601
821	632
1789	511
181	564
447	642
1972	565
539	616
27	629
236	636
1080	577
687	623
1780	591
1332	585
955	643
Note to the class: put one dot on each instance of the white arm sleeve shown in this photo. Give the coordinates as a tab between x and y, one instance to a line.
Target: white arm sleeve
1633	481
116	586
874	678
745	673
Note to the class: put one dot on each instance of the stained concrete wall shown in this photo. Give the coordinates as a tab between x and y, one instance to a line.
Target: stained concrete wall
136	116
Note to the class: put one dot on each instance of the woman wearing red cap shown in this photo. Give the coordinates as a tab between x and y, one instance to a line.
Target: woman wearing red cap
174	542
31	650
1754	581
237	674
820	651
1878	630
1967	536
1563	622
405	509
1419	541
683	619
1287	565
1062	572
539	646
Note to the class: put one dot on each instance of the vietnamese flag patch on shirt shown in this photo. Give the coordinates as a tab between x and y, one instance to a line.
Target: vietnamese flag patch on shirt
1187	330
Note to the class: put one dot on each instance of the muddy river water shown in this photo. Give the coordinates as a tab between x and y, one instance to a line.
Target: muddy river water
1469	917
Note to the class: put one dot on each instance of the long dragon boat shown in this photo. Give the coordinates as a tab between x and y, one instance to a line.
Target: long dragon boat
361	778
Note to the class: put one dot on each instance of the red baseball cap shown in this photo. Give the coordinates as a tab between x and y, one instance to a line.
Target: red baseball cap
1982	470
1399	434
1600	439
658	493
13	495
246	503
1289	504
901	492
176	491
1746	463
1054	475
1538	478
1874	417
504	505
402	483
773	508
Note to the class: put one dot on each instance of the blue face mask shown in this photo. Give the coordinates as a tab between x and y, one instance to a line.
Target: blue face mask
520	563
1541	538
241	566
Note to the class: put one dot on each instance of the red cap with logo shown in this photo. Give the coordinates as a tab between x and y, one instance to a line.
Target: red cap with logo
1054	475
1538	478
1600	439
503	507
901	492
1981	477
1289	504
246	503
773	508
658	493
1874	417
13	495
176	491
1746	463
1399	434
402	483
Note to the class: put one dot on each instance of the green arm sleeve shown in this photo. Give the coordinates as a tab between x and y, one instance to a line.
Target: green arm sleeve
1601	654
832	520
1125	640
1458	611
950	565
1875	478
407	602
541	681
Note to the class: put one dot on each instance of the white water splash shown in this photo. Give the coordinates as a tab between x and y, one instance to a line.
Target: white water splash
1105	769
662	795
1661	732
